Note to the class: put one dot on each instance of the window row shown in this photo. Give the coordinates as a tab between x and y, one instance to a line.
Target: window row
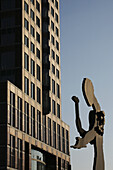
53	42
54	15
55	28
26	6
33	68
26	90
32	47
55	88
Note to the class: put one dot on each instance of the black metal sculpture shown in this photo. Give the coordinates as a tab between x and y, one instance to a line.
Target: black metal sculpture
94	135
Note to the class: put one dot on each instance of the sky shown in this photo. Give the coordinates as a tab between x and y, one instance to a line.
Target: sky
87	52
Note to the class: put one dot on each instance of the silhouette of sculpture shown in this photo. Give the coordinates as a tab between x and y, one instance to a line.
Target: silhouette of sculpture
94	135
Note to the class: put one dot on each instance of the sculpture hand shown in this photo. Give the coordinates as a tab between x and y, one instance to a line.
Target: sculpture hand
75	99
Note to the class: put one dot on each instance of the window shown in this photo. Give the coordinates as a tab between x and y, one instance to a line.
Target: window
53	69
38	6
67	142
57	45
57	73
32	121
32	31
53	86
57	31
12	151
38	72
12	109
26	117
56	4
49	131
52	40
58	110
56	17
53	107
58	91
32	67
26	7
32	90
38	125
38	95
52	11
37	21
19	113
32	47
26	41
26	85
52	25
32	15
57	59
58	138
63	141
38	37
38	53
32	2
26	61
54	134
53	54
44	128
26	24
19	153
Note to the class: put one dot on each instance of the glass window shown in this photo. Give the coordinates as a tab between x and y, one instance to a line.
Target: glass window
67	142
57	59
53	107
58	110
32	67
26	7
19	153
57	45
26	61
38	125
26	117
32	90
58	138
12	151
54	134
26	24
38	95
32	47
32	31
38	37
38	6
38	72
26	85
26	41
53	54
57	73
19	113
52	11
12	109
32	15
56	4
53	86
57	31
49	131
56	17
63	141
52	40
44	128
32	121
52	25
58	91
38	53
53	69
37	21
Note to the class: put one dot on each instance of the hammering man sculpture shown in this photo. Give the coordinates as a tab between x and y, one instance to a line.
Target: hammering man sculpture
94	135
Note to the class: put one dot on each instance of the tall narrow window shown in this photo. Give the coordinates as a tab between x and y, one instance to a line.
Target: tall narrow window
12	151
37	21
26	7
57	59
53	107
57	45
26	24
32	121
63	141
58	137
57	73
26	61
32	90
32	67
19	113
38	95
38	53
26	41
38	6
56	4
49	131
52	40
67	142
58	91
26	117
38	72
26	85
32	47
12	109
56	17
53	69
38	125
19	153
53	86
32	31
44	128
53	54
32	15
38	37
58	110
54	134
52	11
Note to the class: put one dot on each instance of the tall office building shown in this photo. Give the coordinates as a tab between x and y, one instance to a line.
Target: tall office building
32	133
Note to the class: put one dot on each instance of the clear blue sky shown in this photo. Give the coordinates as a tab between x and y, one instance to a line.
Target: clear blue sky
87	51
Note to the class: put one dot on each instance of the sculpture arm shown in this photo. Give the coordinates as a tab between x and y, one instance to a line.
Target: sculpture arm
81	131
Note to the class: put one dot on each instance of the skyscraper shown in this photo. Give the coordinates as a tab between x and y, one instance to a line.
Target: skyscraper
33	135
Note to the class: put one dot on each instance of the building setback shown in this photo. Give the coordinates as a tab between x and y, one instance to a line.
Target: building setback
33	135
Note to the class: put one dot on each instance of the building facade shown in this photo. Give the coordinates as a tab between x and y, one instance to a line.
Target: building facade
33	135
